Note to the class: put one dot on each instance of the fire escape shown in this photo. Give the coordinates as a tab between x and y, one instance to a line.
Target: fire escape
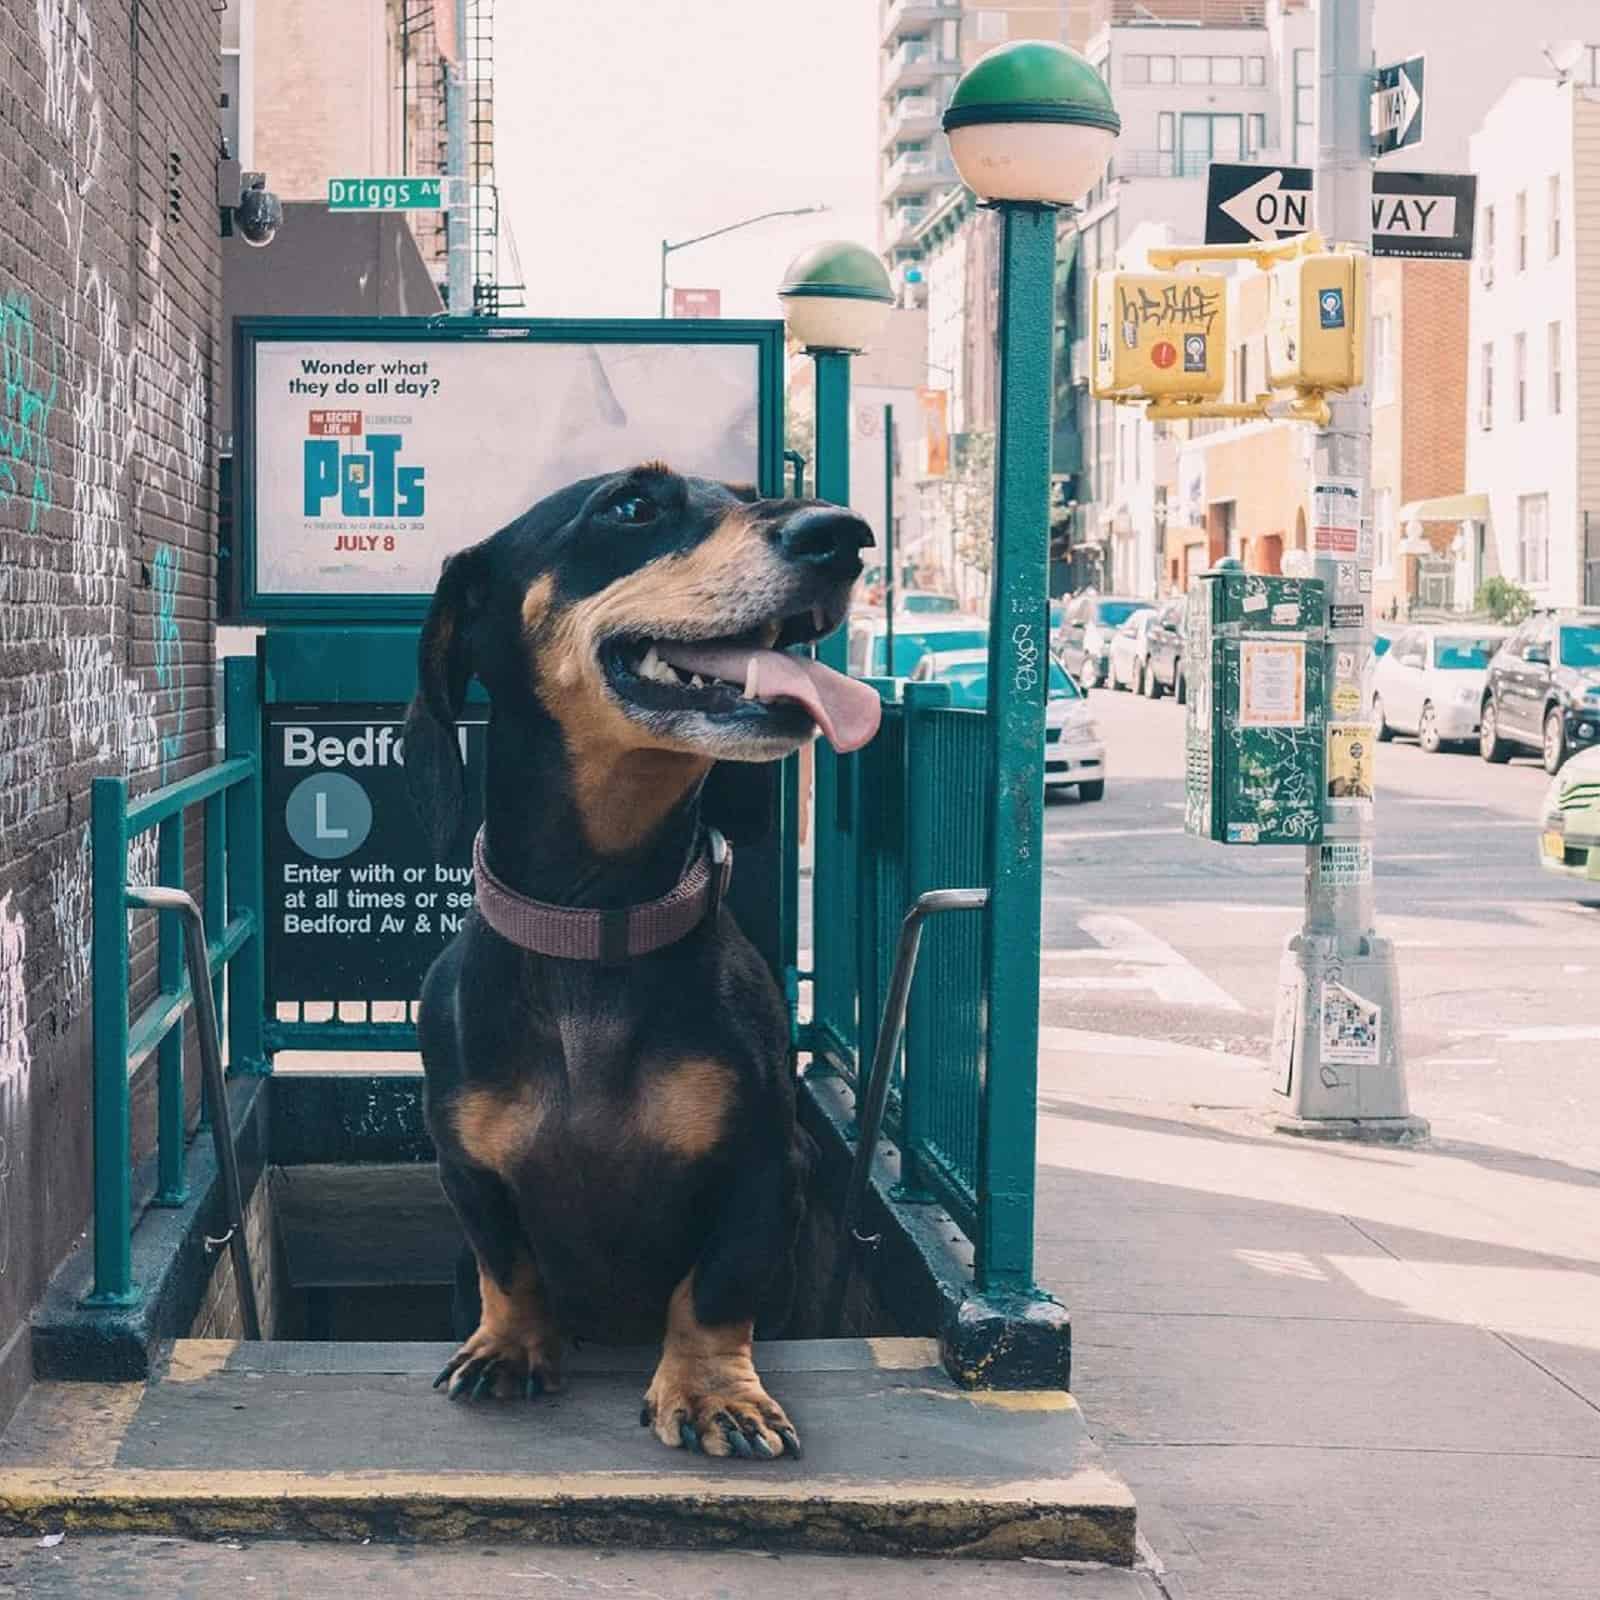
497	282
424	139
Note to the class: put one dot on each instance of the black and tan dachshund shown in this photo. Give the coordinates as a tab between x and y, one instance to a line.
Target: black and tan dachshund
609	1082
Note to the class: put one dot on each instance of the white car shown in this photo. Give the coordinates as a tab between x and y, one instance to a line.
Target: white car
1569	823
1430	683
1074	753
1130	651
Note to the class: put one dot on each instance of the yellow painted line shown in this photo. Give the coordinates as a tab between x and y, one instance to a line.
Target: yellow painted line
195	1360
1022	1399
22	1487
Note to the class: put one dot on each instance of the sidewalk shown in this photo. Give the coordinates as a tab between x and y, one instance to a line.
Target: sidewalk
1334	1370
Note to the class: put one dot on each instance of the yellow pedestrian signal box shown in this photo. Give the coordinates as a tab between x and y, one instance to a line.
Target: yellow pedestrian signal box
1315	322
1159	334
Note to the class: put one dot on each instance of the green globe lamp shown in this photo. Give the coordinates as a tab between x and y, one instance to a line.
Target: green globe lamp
836	296
1031	122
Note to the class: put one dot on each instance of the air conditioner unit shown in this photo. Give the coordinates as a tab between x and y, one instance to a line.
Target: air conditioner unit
1486	272
1486	418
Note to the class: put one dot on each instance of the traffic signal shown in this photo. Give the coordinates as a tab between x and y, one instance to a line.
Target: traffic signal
1315	322
1159	334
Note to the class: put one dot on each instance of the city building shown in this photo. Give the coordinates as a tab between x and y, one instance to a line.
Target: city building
1533	397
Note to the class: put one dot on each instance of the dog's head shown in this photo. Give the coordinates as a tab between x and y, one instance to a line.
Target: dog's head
645	615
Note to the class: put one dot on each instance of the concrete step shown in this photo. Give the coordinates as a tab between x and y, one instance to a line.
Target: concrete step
349	1441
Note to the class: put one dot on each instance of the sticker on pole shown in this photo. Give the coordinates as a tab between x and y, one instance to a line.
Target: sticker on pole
1350	759
1336	516
1352	1028
1331	305
1194	352
1345	865
1272	683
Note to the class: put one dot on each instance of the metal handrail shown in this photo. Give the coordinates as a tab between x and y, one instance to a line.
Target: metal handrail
874	1093
197	955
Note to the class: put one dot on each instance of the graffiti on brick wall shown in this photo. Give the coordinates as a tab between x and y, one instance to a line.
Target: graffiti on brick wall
69	920
169	651
26	402
169	402
25	717
16	1055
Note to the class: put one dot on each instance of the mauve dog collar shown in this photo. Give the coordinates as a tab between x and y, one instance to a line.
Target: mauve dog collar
609	937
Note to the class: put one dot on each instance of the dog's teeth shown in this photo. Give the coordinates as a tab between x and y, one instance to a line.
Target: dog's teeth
651	665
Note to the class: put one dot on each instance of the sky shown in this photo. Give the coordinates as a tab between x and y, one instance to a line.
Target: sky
623	122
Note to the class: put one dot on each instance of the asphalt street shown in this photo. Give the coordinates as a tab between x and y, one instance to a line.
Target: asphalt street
1154	935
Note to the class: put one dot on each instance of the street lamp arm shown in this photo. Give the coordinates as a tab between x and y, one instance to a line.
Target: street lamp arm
716	233
668	246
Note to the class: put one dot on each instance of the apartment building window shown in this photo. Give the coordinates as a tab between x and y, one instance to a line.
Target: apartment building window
1383	528
1522	231
1194	69
1520	366
1204	138
1256	132
992	26
1486	246
1166	137
1553	335
1383	360
1486	395
1555	217
1305	104
1533	538
1255	71
1227	70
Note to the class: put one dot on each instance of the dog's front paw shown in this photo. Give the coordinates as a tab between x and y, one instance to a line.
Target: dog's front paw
719	1407
504	1363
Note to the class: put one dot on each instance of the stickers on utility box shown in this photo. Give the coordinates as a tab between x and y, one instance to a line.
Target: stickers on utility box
1336	512
1272	683
1352	1028
1346	700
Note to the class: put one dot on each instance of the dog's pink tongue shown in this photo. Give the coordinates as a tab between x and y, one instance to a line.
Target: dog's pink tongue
846	710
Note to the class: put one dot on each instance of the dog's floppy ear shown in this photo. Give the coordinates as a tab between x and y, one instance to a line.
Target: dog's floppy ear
434	770
740	800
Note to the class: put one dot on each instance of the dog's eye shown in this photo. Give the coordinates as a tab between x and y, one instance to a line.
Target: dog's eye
634	512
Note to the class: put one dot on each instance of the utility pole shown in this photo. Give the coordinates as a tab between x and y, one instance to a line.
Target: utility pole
458	216
1337	1046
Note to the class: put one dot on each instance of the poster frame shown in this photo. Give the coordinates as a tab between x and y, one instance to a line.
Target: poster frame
251	606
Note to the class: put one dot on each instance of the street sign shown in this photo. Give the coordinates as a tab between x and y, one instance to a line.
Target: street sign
357	904
1423	215
1416	215
1259	205
386	194
1396	106
697	302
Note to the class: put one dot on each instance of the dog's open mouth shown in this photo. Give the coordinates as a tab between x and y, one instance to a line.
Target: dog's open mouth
742	681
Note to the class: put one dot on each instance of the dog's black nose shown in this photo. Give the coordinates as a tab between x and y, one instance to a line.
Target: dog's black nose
826	537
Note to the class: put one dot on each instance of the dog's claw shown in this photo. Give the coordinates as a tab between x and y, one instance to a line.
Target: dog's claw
645	1419
485	1383
687	1437
737	1442
761	1448
444	1376
791	1441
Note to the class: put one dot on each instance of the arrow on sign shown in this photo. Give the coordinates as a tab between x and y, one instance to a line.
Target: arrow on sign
1266	207
1394	110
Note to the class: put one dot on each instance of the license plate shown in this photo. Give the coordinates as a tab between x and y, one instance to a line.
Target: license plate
1554	846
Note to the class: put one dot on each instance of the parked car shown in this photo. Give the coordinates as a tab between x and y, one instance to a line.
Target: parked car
1431	684
1087	624
1569	825
914	637
1074	754
1543	689
1130	647
1164	651
1384	634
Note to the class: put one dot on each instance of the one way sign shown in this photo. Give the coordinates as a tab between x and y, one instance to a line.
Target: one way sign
1396	107
1421	215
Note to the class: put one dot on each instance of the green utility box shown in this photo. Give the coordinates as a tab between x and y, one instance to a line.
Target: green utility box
1257	727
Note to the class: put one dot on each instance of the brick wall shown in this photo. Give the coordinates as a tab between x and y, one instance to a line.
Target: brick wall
109	298
1433	379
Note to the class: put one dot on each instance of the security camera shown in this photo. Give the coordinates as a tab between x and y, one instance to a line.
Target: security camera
259	213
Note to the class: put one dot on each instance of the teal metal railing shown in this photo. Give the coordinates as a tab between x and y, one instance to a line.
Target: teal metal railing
908	815
229	794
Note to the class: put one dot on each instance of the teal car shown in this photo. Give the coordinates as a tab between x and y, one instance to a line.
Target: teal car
914	638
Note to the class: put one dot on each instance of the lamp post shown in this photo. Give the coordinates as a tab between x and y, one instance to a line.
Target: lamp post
1031	128
668	247
836	298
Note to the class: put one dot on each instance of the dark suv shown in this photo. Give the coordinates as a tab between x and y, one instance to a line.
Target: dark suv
1087	623
1543	691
